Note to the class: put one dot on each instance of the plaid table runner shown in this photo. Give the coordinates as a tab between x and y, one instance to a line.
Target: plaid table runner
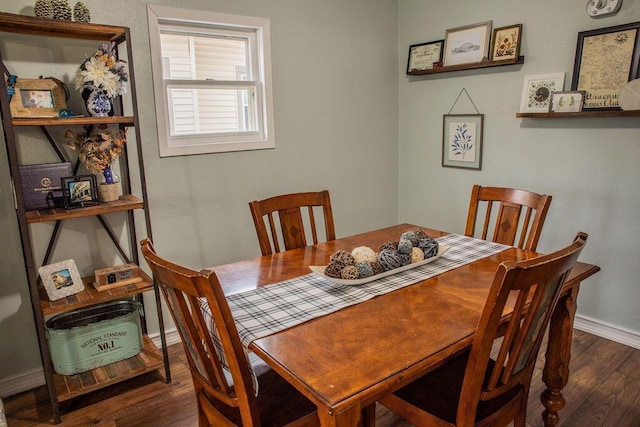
269	309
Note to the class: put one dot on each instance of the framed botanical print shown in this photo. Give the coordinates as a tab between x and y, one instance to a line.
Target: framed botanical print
505	43
462	141
537	89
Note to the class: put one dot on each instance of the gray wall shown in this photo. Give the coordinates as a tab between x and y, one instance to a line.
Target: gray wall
589	166
334	69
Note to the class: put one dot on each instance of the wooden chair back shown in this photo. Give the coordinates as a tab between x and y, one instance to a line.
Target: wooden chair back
534	286
474	389
222	400
508	223
287	211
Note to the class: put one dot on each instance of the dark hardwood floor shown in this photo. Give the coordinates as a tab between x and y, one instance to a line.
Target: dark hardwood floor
603	390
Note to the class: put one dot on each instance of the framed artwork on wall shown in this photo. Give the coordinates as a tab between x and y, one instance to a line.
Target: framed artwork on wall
536	91
505	44
462	141
468	44
606	60
423	56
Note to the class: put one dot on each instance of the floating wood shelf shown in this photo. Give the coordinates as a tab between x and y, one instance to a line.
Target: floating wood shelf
582	114
473	66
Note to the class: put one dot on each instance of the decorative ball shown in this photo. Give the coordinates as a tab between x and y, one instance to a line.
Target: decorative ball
420	233
81	13
377	267
411	236
405	246
389	245
389	259
334	270
364	269
416	255
429	246
350	272
61	10
363	254
405	259
343	257
43	9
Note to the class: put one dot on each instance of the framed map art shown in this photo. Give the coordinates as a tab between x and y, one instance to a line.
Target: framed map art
606	60
537	89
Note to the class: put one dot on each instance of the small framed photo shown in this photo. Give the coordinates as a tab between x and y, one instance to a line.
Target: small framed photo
462	141
61	279
468	44
422	56
37	98
536	91
606	60
566	102
80	191
505	43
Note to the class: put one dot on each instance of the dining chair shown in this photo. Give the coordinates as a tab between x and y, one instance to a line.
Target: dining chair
226	396
474	389
507	220
287	210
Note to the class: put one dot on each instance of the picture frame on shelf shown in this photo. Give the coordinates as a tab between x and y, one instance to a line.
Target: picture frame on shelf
61	279
505	43
423	56
566	102
468	44
37	98
80	191
606	60
462	140
536	91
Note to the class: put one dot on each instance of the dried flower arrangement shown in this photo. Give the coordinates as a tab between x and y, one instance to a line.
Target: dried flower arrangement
99	149
103	71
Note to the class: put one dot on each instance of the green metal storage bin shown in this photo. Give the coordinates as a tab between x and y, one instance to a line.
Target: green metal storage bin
95	336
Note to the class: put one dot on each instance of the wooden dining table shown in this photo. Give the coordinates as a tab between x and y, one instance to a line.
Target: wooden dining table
345	361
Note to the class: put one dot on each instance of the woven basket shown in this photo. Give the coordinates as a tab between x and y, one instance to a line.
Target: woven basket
108	192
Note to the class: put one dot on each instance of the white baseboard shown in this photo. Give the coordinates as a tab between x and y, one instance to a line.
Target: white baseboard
32	379
605	330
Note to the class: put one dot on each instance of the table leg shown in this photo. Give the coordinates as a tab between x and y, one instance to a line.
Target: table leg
354	417
556	368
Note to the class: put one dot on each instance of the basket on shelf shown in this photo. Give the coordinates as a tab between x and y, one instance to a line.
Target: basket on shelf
108	192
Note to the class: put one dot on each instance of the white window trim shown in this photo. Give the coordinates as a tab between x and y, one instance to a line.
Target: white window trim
158	15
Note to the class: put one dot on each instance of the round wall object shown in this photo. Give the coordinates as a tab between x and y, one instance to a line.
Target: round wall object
599	8
629	97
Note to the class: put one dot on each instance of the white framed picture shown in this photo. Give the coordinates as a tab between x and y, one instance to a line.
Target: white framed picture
61	279
537	89
566	102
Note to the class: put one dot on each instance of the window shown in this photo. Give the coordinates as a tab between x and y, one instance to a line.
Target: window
212	81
